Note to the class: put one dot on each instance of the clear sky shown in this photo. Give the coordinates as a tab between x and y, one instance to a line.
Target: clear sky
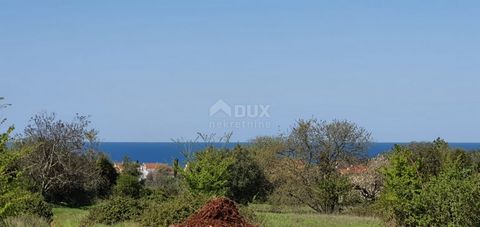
151	70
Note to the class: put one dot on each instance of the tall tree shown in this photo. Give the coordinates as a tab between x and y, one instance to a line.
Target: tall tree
315	149
62	165
15	199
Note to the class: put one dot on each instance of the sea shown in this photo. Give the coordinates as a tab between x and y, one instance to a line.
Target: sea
166	152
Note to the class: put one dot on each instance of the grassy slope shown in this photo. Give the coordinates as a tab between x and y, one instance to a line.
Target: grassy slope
284	216
294	220
71	217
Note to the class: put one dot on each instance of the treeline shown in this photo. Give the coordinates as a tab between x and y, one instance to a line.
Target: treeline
319	164
52	162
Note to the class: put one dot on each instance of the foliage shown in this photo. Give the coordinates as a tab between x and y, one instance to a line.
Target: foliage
267	153
369	183
429	157
169	184
452	199
447	196
248	181
62	165
172	211
114	210
130	167
315	149
108	175
14	198
26	220
402	187
224	172
128	185
208	172
19	201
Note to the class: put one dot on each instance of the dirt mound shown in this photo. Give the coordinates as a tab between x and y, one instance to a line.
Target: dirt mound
220	212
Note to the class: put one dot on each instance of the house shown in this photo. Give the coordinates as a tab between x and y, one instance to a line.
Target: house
118	167
147	168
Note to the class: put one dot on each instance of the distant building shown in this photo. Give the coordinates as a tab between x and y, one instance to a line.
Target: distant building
147	168
118	167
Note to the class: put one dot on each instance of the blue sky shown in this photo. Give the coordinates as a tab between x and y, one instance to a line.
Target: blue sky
150	70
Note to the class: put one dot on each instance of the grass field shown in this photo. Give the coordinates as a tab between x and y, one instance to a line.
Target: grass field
294	220
71	217
286	216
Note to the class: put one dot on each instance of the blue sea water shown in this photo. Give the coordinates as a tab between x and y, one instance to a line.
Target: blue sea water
166	152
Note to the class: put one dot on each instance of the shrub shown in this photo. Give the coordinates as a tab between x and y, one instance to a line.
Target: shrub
61	165
248	181
223	172
208	172
117	209
400	198
172	211
452	199
25	221
108	175
169	184
128	185
19	202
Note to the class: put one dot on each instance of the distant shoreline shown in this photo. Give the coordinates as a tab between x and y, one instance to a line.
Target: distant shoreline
166	152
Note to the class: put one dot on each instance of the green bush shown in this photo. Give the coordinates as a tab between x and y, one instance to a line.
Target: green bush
400	198
117	209
449	198
128	185
108	175
18	202
14	198
172	211
27	220
248	181
224	172
452	199
208	171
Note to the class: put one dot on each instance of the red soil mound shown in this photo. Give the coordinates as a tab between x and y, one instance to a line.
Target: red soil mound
220	212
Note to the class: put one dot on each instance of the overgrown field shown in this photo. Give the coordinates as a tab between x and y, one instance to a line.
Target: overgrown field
71	217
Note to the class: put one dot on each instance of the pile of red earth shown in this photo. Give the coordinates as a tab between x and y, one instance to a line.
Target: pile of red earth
220	212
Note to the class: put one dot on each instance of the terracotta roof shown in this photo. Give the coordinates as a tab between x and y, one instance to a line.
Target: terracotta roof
152	166
118	167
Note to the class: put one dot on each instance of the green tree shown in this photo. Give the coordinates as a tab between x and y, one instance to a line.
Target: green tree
402	186
208	171
62	166
108	175
128	183
15	199
248	182
452	198
314	151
